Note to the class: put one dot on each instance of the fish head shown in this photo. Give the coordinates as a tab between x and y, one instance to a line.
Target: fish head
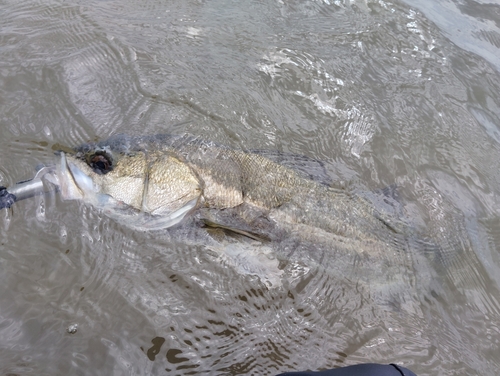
156	183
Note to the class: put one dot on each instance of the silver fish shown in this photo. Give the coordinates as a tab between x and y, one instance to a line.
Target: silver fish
157	182
154	182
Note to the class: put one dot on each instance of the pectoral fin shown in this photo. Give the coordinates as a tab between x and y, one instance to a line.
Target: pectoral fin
248	234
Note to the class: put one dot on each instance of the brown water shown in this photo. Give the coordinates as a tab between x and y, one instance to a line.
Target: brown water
385	93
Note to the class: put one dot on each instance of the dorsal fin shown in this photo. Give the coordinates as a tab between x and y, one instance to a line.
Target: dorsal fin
306	167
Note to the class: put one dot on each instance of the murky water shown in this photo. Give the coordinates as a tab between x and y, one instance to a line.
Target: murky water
387	94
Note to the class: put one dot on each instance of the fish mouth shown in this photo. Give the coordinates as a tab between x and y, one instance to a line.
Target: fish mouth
74	184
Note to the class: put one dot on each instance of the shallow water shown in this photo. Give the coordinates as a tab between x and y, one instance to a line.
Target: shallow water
387	94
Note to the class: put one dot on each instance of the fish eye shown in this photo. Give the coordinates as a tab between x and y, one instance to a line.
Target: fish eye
100	163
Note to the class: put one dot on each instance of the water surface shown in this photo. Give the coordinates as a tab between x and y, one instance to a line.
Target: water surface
387	94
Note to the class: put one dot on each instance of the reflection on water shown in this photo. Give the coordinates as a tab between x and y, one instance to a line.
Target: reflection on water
387	94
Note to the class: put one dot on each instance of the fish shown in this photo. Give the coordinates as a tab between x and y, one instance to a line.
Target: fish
155	182
158	182
161	179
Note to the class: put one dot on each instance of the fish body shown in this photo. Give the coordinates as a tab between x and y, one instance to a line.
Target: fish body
160	175
157	182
